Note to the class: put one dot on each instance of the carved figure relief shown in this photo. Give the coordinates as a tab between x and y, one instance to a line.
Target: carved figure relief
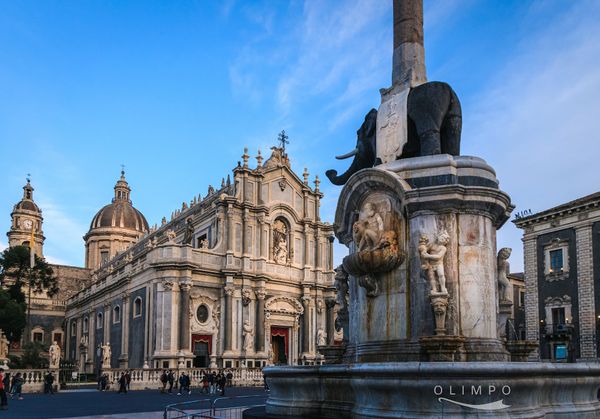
248	332
246	296
189	231
377	248
3	345
280	245
504	286
171	236
432	261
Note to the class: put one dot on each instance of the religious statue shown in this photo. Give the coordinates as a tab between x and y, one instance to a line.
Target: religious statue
171	236
366	232
341	286
189	232
504	287
106	353
432	261
3	345
248	332
54	355
280	250
321	337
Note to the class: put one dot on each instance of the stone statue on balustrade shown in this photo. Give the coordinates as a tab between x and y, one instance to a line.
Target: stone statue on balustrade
248	332
106	354
432	261
504	287
189	232
3	345
54	355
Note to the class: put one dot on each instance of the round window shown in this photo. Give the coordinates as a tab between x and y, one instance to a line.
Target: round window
202	313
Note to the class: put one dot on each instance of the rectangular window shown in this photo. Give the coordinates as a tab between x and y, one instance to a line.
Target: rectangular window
560	352
103	257
558	316
38	337
556	260
521	298
57	337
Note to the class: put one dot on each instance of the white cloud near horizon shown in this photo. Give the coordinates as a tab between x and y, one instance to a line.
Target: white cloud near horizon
535	123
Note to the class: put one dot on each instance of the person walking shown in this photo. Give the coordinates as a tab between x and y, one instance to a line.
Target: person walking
163	380
184	384
49	383
204	382
3	384
17	386
122	383
171	380
212	378
128	378
222	383
229	379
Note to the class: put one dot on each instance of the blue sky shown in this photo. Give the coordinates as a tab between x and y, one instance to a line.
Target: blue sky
176	90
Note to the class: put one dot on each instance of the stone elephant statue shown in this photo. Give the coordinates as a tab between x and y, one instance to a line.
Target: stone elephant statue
434	124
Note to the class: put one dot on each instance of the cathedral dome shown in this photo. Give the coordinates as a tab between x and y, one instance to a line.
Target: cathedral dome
120	213
27	202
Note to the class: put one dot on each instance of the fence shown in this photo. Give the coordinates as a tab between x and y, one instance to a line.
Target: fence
33	380
213	408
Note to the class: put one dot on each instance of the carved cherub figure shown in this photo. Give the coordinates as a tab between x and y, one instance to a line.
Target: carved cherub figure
367	230
504	287
432	261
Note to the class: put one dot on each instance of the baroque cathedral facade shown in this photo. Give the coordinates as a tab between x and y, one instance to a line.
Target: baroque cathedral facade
240	277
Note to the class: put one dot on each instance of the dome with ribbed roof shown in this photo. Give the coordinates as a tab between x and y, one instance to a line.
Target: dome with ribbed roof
27	202
120	213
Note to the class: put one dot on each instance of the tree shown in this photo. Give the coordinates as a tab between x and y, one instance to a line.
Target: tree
12	316
16	272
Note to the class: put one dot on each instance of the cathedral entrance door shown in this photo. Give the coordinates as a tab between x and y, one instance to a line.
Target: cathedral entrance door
279	342
201	349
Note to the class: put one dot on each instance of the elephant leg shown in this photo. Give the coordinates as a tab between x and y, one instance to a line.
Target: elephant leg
430	143
450	135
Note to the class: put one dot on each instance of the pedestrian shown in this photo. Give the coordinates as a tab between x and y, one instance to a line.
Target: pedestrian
171	380
163	380
222	382
204	382
17	386
49	383
3	384
184	384
229	379
128	378
122	383
212	378
104	382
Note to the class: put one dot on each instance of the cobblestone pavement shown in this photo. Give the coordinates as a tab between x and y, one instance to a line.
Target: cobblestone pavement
135	404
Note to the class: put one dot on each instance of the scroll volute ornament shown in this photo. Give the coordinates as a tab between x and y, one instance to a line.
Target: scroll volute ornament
377	248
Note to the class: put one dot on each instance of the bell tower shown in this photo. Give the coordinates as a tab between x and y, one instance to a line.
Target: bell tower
27	222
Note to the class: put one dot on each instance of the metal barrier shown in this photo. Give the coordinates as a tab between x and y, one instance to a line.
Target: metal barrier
188	410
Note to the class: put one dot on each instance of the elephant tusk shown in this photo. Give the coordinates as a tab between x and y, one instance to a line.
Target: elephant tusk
345	156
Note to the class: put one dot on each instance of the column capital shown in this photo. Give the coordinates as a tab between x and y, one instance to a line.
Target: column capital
330	303
229	290
167	284
260	294
185	286
125	297
306	300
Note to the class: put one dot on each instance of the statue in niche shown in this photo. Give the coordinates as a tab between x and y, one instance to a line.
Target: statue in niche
366	232
203	244
248	332
54	355
280	250
504	287
106	353
189	231
321	337
432	261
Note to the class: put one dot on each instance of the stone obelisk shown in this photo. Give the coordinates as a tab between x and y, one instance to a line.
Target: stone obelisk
408	65
408	70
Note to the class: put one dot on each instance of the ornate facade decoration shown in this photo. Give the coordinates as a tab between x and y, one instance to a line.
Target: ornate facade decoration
432	261
504	286
280	240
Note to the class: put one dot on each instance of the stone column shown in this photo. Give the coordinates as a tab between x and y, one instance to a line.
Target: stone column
230	228
585	279
408	62
184	317
532	317
107	322
260	320
306	325
124	358
330	304
228	312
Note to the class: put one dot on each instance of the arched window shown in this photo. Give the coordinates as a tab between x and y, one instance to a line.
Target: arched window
37	334
85	325
73	328
137	307
99	321
117	314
